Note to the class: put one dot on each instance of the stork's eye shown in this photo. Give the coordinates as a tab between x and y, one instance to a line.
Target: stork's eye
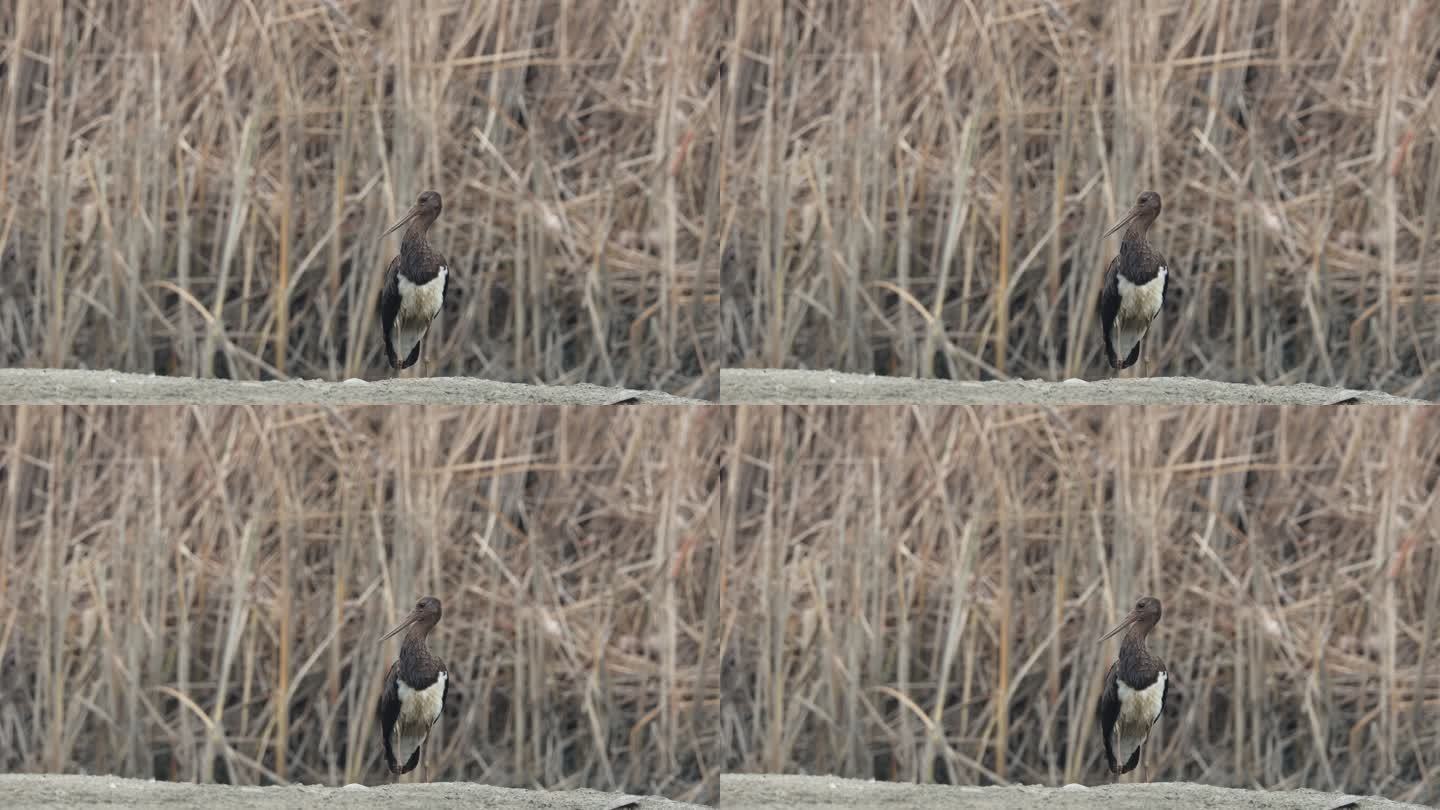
1140	604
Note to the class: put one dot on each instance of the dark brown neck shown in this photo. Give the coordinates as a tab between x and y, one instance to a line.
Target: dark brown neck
415	637
416	230
413	645
417	665
1136	230
1137	666
1134	636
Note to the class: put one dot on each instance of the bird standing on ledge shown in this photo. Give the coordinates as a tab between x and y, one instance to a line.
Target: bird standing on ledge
414	289
1135	688
414	693
1134	289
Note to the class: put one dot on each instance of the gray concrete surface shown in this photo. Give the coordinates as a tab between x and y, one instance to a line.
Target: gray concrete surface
771	792
748	385
74	385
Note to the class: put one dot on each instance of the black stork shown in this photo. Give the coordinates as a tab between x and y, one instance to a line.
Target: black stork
1135	689
415	687
415	282
1134	287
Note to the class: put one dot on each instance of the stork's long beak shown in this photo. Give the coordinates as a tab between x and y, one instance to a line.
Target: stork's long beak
1129	620
409	620
415	209
1134	212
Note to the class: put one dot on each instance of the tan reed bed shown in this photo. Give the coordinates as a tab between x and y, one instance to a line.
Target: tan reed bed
916	593
196	593
200	189
920	188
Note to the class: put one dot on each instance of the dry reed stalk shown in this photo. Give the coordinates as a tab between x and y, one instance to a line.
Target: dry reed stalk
202	589
200	190
966	157
920	591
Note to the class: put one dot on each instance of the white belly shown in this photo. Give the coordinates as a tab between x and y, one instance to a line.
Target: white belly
419	709
1138	711
1139	304
419	304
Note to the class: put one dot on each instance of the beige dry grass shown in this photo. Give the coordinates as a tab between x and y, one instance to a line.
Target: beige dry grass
919	188
196	593
918	592
200	188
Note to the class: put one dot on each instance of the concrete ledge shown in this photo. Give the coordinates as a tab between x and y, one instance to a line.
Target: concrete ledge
769	792
774	386
115	387
66	790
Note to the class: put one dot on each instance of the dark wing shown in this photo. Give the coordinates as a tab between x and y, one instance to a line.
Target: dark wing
1109	307
445	287
389	712
1164	694
390	307
445	692
414	355
1164	288
1109	712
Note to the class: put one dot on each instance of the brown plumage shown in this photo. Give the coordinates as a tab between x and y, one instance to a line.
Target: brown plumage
415	689
1135	282
1135	689
415	284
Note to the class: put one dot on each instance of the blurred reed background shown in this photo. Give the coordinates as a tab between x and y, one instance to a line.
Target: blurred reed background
200	188
197	593
920	188
922	590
